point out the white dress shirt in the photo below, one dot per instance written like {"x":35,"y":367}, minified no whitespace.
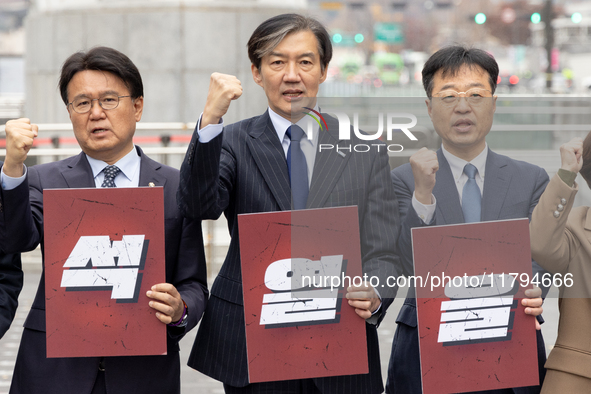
{"x":426,"y":212}
{"x":128,"y":177}
{"x":280,"y":124}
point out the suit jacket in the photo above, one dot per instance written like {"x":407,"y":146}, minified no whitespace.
{"x":11,"y":283}
{"x":244,"y":170}
{"x":561,"y":243}
{"x":185,"y":269}
{"x":511,"y":190}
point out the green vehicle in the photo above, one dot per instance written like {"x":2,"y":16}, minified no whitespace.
{"x":389,"y":65}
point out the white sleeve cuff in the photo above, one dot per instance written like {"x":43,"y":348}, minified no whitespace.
{"x":425,"y":212}
{"x":210,"y":131}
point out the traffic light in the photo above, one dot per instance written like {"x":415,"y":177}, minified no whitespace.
{"x":359,"y":38}
{"x":536,"y":17}
{"x":337,"y":38}
{"x":576,"y":17}
{"x":480,"y":18}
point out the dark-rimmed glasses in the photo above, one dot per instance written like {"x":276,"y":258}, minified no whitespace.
{"x":474,"y":96}
{"x":83,"y":104}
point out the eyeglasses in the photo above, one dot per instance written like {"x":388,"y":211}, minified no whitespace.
{"x":83,"y":104}
{"x":473,"y":96}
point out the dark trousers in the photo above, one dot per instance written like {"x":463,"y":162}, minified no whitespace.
{"x":404,"y":370}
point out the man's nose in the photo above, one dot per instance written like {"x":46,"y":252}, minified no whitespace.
{"x":292,"y":73}
{"x":96,"y":111}
{"x":462,"y":105}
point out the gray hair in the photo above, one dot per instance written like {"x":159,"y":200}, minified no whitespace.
{"x":271,"y":32}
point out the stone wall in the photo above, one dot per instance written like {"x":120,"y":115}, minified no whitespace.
{"x":176,"y":45}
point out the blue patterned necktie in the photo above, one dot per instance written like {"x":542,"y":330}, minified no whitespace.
{"x":110,"y":173}
{"x":298,"y":169}
{"x":471,"y":198}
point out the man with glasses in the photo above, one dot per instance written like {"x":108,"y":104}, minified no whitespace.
{"x":103,"y":93}
{"x":435,"y":187}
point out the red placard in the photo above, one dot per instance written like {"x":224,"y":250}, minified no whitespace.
{"x":104,"y":249}
{"x":295,"y":334}
{"x":474,"y":334}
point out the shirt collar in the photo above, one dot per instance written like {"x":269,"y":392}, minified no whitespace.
{"x":457,"y":165}
{"x":128,"y":164}
{"x":281,"y":124}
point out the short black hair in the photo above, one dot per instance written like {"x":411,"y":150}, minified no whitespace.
{"x":272,"y":31}
{"x":102,"y":59}
{"x":450,"y":59}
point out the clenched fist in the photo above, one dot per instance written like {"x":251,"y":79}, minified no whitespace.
{"x":424,"y":165}
{"x":20,"y":134}
{"x":571,"y":155}
{"x":223,"y":89}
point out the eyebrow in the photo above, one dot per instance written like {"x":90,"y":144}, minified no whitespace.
{"x":101,"y":95}
{"x":306,"y":54}
{"x":453,"y":86}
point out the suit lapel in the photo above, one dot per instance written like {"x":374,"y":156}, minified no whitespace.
{"x":496,"y":185}
{"x":78,"y":174}
{"x":446,"y":193}
{"x":269,"y":157}
{"x":149,"y":171}
{"x":328,"y":164}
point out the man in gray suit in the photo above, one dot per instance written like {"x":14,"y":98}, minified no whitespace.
{"x":460,"y":85}
{"x":243,"y":169}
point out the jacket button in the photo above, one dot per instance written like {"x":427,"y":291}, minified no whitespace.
{"x":563,"y":201}
{"x":560,"y":207}
{"x":556,"y":214}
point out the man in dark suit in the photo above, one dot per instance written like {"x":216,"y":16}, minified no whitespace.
{"x":460,"y":85}
{"x":244,"y":170}
{"x":103,"y":93}
{"x":11,"y":283}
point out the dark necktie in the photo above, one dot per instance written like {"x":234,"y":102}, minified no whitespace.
{"x":298,"y":169}
{"x":471,"y":198}
{"x":110,"y":173}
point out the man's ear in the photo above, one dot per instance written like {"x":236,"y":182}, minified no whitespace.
{"x":256,"y":75}
{"x":429,"y":109}
{"x":324,"y":74}
{"x":494,"y":104}
{"x":138,"y":107}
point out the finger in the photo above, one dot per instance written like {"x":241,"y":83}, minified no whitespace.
{"x":360,"y":295}
{"x":364,"y":292}
{"x":362,"y":313}
{"x":20,"y":120}
{"x":538,"y":325}
{"x":164,"y":312}
{"x":534,"y":311}
{"x":361,"y":304}
{"x":532,"y":302}
{"x":237,"y":92}
{"x":166,"y":288}
{"x":534,"y":292}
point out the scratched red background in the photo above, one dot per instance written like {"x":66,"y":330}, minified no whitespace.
{"x":90,"y":323}
{"x":301,"y":351}
{"x":476,"y":248}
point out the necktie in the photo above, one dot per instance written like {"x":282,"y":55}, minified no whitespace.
{"x":471,"y":198}
{"x":110,"y":173}
{"x":298,"y":169}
